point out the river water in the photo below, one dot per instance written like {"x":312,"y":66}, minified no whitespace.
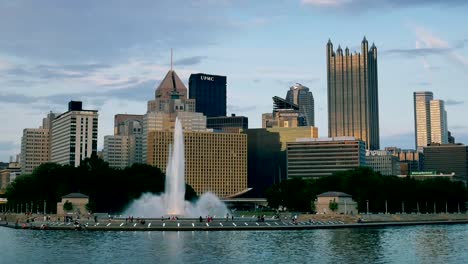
{"x":410,"y":244}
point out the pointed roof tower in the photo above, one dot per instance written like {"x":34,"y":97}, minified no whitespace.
{"x":364,"y":40}
{"x":171,"y":85}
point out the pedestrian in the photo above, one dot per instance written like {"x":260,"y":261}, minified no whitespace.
{"x":201,"y":219}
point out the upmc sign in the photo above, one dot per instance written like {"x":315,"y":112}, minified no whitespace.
{"x":207,"y":78}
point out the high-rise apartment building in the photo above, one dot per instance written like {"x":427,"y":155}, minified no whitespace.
{"x":209,"y":91}
{"x":353,"y":105}
{"x":302,"y":97}
{"x":313,"y":158}
{"x":35,"y":147}
{"x":430,"y":120}
{"x":214,"y":162}
{"x":74,"y":135}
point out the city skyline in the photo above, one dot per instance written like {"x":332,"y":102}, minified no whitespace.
{"x":52,"y":54}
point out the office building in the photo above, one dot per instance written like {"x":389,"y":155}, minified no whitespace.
{"x":447,"y":158}
{"x":74,"y":135}
{"x":170,"y":102}
{"x":430,"y":120}
{"x":267,"y":155}
{"x":302,"y":97}
{"x":422,"y":118}
{"x":439,"y":131}
{"x":285,"y":114}
{"x":313,"y":158}
{"x":209,"y":92}
{"x":117,"y":151}
{"x":383,"y":161}
{"x":353,"y":105}
{"x":451,"y":138}
{"x":410,"y":160}
{"x":122,"y":122}
{"x":228,"y":124}
{"x":9,"y":174}
{"x":214,"y":162}
{"x":125,"y":147}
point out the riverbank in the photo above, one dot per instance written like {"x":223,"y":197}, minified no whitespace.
{"x":304,"y":222}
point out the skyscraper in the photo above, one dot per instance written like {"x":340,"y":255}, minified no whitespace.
{"x":422,"y":118}
{"x":439,"y":131}
{"x":209,"y":91}
{"x":353,"y":104}
{"x":301,"y":96}
{"x":430,"y":120}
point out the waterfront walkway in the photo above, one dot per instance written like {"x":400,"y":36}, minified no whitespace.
{"x":239,"y":223}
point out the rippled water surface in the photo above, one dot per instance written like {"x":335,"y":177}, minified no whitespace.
{"x":412,"y":244}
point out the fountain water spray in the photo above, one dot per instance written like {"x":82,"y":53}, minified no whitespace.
{"x":172,"y":202}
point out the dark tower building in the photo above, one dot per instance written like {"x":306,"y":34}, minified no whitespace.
{"x":301,"y":96}
{"x":353,"y":104}
{"x":209,"y":91}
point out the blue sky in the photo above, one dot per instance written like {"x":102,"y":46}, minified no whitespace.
{"x":112,"y":55}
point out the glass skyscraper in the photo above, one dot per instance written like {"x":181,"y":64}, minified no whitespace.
{"x":209,"y":91}
{"x":301,"y":96}
{"x":353,"y":104}
{"x":430,"y":120}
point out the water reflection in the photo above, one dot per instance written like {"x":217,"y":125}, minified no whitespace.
{"x":418,"y":244}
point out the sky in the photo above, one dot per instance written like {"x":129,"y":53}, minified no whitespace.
{"x":112,"y":55}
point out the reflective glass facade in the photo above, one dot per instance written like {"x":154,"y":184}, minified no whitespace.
{"x":353,"y":105}
{"x":209,"y":91}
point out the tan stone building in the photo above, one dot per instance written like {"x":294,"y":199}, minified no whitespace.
{"x":344,"y":203}
{"x":214,"y":162}
{"x":78,"y":201}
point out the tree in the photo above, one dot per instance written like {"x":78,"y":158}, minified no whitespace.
{"x":67,"y":206}
{"x":333,"y":205}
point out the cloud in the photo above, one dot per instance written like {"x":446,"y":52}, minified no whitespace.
{"x":453,"y":102}
{"x":429,"y":44}
{"x":92,"y":31}
{"x":137,"y":91}
{"x":375,"y":4}
{"x":190,"y":61}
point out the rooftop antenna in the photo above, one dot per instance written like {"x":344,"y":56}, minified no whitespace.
{"x":171,"y":59}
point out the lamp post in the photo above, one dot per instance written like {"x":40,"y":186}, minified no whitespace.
{"x":386,"y":209}
{"x":446,"y":207}
{"x":367,"y":206}
{"x":417,"y":207}
{"x":402,"y":207}
{"x":435,"y":211}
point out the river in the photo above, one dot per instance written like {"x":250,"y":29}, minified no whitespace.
{"x":409,"y":244}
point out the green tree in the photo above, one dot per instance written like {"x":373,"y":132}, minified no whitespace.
{"x":333,"y":205}
{"x":67,"y":206}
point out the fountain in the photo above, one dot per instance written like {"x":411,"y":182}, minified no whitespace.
{"x":172,"y":203}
